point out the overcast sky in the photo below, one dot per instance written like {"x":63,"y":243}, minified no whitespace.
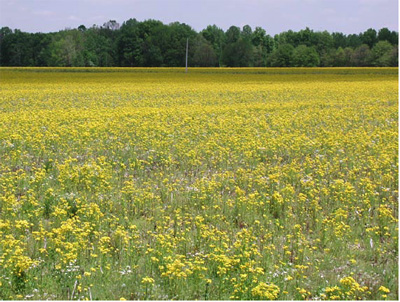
{"x":275,"y":16}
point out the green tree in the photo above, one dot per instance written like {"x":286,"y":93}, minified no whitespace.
{"x":339,"y":58}
{"x":238,"y":54}
{"x":258,"y":36}
{"x":305,"y":37}
{"x":339,"y":40}
{"x":40,"y":45}
{"x":394,"y":62}
{"x":129,"y":43}
{"x":348,"y":55}
{"x":152,"y":43}
{"x":327,"y":58}
{"x":216,"y":37}
{"x":369,"y":37}
{"x":322,"y":42}
{"x":304,"y":56}
{"x":354,"y":40}
{"x":385,"y":34}
{"x":263,"y":45}
{"x":247,"y":32}
{"x":82,"y":28}
{"x":383,"y":54}
{"x":17,"y":48}
{"x":175,"y":51}
{"x":238,"y":50}
{"x":281,"y":56}
{"x":111,"y":25}
{"x":232,"y":34}
{"x":288,"y":37}
{"x":151,"y":54}
{"x":361,"y":56}
{"x":66,"y":49}
{"x":204,"y":54}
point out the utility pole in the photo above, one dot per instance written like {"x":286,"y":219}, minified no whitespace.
{"x":187,"y":47}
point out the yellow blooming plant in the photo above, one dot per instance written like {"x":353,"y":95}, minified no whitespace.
{"x":222,"y":183}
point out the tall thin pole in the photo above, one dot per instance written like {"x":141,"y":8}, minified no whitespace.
{"x":187,"y":47}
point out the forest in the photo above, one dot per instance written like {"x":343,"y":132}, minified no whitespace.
{"x":152,"y":43}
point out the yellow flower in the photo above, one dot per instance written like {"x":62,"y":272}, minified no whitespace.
{"x":266,"y":291}
{"x":384,"y":289}
{"x":147,"y":280}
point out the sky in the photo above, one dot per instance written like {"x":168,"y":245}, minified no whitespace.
{"x":275,"y":16}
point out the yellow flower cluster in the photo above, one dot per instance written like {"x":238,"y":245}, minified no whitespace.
{"x":265,"y":291}
{"x":349,"y":289}
{"x":217,"y":184}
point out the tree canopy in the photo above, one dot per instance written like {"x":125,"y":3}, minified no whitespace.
{"x":151,"y":43}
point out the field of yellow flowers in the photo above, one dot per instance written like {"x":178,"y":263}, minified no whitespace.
{"x":215,"y":184}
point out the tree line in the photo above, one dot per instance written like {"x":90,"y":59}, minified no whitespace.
{"x":151,"y":44}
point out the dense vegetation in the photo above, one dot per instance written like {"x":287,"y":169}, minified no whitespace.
{"x":223,"y":183}
{"x":151,"y":43}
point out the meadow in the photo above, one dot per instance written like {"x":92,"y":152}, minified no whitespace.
{"x":256,"y":184}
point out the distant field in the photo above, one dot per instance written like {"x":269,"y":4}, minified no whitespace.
{"x":150,"y":183}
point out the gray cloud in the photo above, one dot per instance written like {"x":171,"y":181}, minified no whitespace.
{"x":348,"y":16}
